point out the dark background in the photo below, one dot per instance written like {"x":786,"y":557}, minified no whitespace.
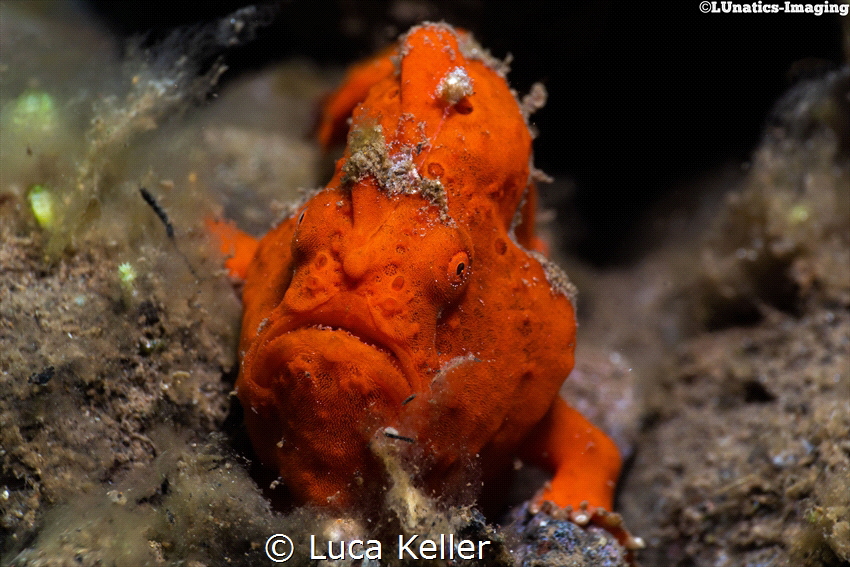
{"x":642,"y":99}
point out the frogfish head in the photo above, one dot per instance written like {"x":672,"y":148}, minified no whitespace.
{"x":353,"y":331}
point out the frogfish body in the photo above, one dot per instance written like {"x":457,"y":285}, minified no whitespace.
{"x":405,"y":297}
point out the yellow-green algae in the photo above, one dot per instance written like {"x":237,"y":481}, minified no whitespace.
{"x":41,"y":203}
{"x":35,"y":110}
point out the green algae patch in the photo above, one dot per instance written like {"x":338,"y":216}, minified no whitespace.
{"x":41,"y":203}
{"x":34,"y":110}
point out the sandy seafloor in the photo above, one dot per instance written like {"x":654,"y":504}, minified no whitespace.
{"x":720,"y":360}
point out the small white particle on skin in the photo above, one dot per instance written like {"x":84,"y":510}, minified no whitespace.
{"x":455,"y":85}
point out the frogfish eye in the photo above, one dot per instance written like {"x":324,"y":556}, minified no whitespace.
{"x":458,"y":268}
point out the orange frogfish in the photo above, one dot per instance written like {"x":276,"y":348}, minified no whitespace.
{"x":404,"y":300}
